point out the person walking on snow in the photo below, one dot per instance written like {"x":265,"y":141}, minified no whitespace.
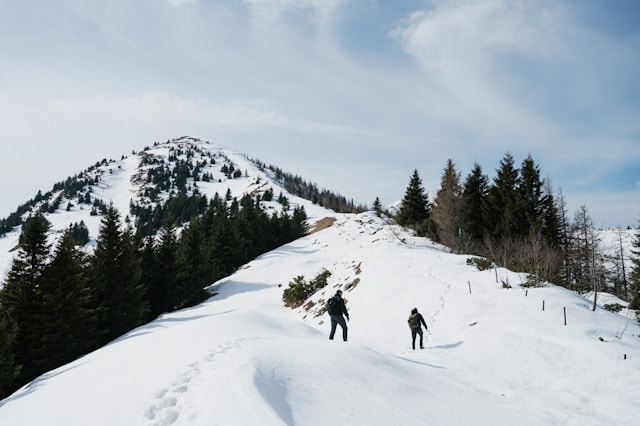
{"x":336,"y":309}
{"x":415,"y":319}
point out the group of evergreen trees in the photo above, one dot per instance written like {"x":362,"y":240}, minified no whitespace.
{"x":297,"y":186}
{"x":59,"y":304}
{"x":516,"y":221}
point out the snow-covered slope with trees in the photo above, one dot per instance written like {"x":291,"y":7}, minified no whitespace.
{"x":496,"y":353}
{"x":493,"y":355}
{"x":148,"y":178}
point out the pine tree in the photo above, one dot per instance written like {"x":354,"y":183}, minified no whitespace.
{"x":634,"y":276}
{"x":446,"y":211}
{"x":552,"y":218}
{"x":377,"y":206}
{"x":9,"y":370}
{"x":501,"y":212}
{"x":19,"y":297}
{"x":68,"y":318}
{"x":193,"y":265}
{"x":474,"y":197}
{"x":415,"y":209}
{"x":160,"y":269}
{"x":115,"y":267}
{"x":530,"y":202}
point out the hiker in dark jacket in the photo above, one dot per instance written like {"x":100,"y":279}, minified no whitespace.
{"x":336,"y":310}
{"x":415,"y":319}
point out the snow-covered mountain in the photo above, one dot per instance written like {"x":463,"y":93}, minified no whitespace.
{"x":133,"y":180}
{"x":493,"y":355}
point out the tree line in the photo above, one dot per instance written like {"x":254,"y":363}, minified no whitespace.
{"x":517,"y":221}
{"x":58,"y":303}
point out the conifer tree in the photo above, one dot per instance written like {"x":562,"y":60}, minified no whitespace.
{"x":225,"y":251}
{"x":501,"y":212}
{"x":68,"y":317}
{"x":446,"y":210}
{"x":250,"y":224}
{"x":377,"y":206}
{"x":415,"y":209}
{"x":193,"y":265}
{"x":19,"y":297}
{"x":474,"y":197}
{"x":552,"y":218}
{"x":115,"y":267}
{"x":634,"y":276}
{"x":9,"y":370}
{"x":161,"y":279}
{"x":530,"y":207}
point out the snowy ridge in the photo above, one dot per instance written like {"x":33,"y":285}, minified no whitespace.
{"x":493,"y":355}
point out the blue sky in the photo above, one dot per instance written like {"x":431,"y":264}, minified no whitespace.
{"x":350,"y":94}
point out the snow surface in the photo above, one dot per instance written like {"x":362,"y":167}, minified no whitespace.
{"x":493,"y":356}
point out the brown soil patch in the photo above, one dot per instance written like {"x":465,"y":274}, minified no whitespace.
{"x":323,"y":223}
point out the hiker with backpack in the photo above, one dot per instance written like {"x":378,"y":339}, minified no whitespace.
{"x":415,"y":321}
{"x":336,"y":308}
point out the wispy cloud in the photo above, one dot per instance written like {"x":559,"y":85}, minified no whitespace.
{"x":394,"y":85}
{"x":180,"y":2}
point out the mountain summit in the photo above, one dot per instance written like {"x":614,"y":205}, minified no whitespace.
{"x":162,"y":176}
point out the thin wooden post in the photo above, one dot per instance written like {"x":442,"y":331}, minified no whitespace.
{"x":526,"y":292}
{"x":543,"y":304}
{"x":469,"y":282}
{"x":565,"y":315}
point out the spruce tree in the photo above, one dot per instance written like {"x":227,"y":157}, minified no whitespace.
{"x":552,"y":218}
{"x":501,"y":210}
{"x":9,"y":370}
{"x":193,"y":265}
{"x":634,"y":276}
{"x":446,"y":210}
{"x":474,"y":198}
{"x":377,"y":206}
{"x":414,"y":210}
{"x":68,"y":318}
{"x":115,"y":267}
{"x":161,"y":270}
{"x":530,"y":205}
{"x":19,"y":297}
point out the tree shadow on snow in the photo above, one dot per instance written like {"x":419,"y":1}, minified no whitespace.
{"x":230,"y":288}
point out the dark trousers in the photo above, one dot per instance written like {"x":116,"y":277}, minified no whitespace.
{"x":414,"y":333}
{"x":335,"y":320}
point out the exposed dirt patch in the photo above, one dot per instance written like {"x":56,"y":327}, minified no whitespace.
{"x":322,"y":224}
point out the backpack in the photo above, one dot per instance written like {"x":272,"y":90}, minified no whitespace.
{"x":414,"y":321}
{"x":332,"y":306}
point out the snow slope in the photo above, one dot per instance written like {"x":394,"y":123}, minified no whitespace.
{"x":493,"y":356}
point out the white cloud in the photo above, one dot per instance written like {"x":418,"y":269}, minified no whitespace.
{"x":266,"y":12}
{"x":463,"y":46}
{"x":176,"y":3}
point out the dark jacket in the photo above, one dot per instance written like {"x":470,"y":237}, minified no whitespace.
{"x":342,"y":310}
{"x":420,"y":319}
